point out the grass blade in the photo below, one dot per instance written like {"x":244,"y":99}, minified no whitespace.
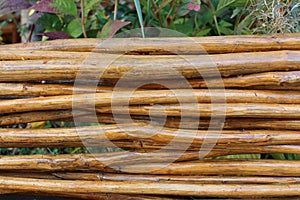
{"x":140,"y":16}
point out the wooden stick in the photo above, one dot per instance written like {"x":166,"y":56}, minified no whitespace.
{"x":23,"y":55}
{"x":214,"y":44}
{"x":248,"y":110}
{"x":171,"y":122}
{"x":175,"y":122}
{"x":24,"y":118}
{"x":144,"y":97}
{"x":166,"y":178}
{"x":267,"y":80}
{"x":81,"y":162}
{"x":218,"y":150}
{"x":28,"y":89}
{"x":97,"y":136}
{"x":229,"y":123}
{"x":90,"y":196}
{"x":101,"y":161}
{"x":264,"y":79}
{"x":279,"y":80}
{"x":231,"y":167}
{"x":156,"y":188}
{"x":126,"y":67}
{"x":273,"y":80}
{"x":96,"y":196}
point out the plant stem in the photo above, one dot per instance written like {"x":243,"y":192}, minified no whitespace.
{"x":115,"y":10}
{"x":217,"y":25}
{"x":82,"y":18}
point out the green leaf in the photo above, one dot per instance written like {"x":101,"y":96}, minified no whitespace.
{"x":67,"y":7}
{"x":74,"y":28}
{"x":240,"y":156}
{"x":224,"y":3}
{"x":183,"y":10}
{"x":223,"y":7}
{"x":163,"y":4}
{"x":225,"y":27}
{"x":187,"y":27}
{"x":51,"y":22}
{"x":278,"y":156}
{"x":236,"y":11}
{"x":240,"y":3}
{"x":140,"y":16}
{"x":203,"y":32}
{"x":207,"y":17}
{"x":224,"y":23}
{"x":90,"y":5}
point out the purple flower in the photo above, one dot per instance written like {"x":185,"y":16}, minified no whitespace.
{"x":194,"y":5}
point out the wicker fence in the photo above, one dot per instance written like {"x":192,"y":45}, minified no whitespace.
{"x":261,"y":77}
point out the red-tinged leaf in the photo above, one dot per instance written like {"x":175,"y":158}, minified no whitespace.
{"x":45,"y":6}
{"x":111,"y":27}
{"x":56,"y":35}
{"x":7,"y":6}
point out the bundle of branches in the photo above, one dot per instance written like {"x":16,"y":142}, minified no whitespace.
{"x":173,"y":110}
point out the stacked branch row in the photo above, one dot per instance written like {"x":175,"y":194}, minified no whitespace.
{"x":163,"y":100}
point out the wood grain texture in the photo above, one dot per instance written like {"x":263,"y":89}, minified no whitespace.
{"x":138,"y":67}
{"x":81,"y":162}
{"x":213,"y":44}
{"x":140,"y":187}
{"x":171,"y":152}
{"x":146,"y":97}
{"x":229,"y":110}
{"x":99,"y":136}
{"x":166,"y":178}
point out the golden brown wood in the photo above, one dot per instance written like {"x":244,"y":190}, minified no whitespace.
{"x":97,"y":136}
{"x":23,"y":118}
{"x":171,"y":122}
{"x":207,"y":110}
{"x":166,"y":178}
{"x":92,"y":65}
{"x":160,"y":188}
{"x":223,"y":44}
{"x":175,"y":122}
{"x":28,"y":89}
{"x":147,"y":97}
{"x":267,"y":80}
{"x":93,"y":196}
{"x":279,"y":80}
{"x":260,"y":73}
{"x":81,"y":162}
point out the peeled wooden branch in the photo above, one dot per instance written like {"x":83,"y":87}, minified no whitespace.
{"x":171,"y":122}
{"x":98,"y":136}
{"x":156,"y":178}
{"x":218,"y":150}
{"x":204,"y":167}
{"x":156,"y":188}
{"x":23,"y":118}
{"x":229,"y":123}
{"x":150,"y":97}
{"x":175,"y":122}
{"x":28,"y":89}
{"x":223,"y":44}
{"x":23,"y":55}
{"x":166,"y":178}
{"x":139,"y":67}
{"x":279,"y":80}
{"x":207,"y":110}
{"x":90,"y":196}
{"x":268,"y":80}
